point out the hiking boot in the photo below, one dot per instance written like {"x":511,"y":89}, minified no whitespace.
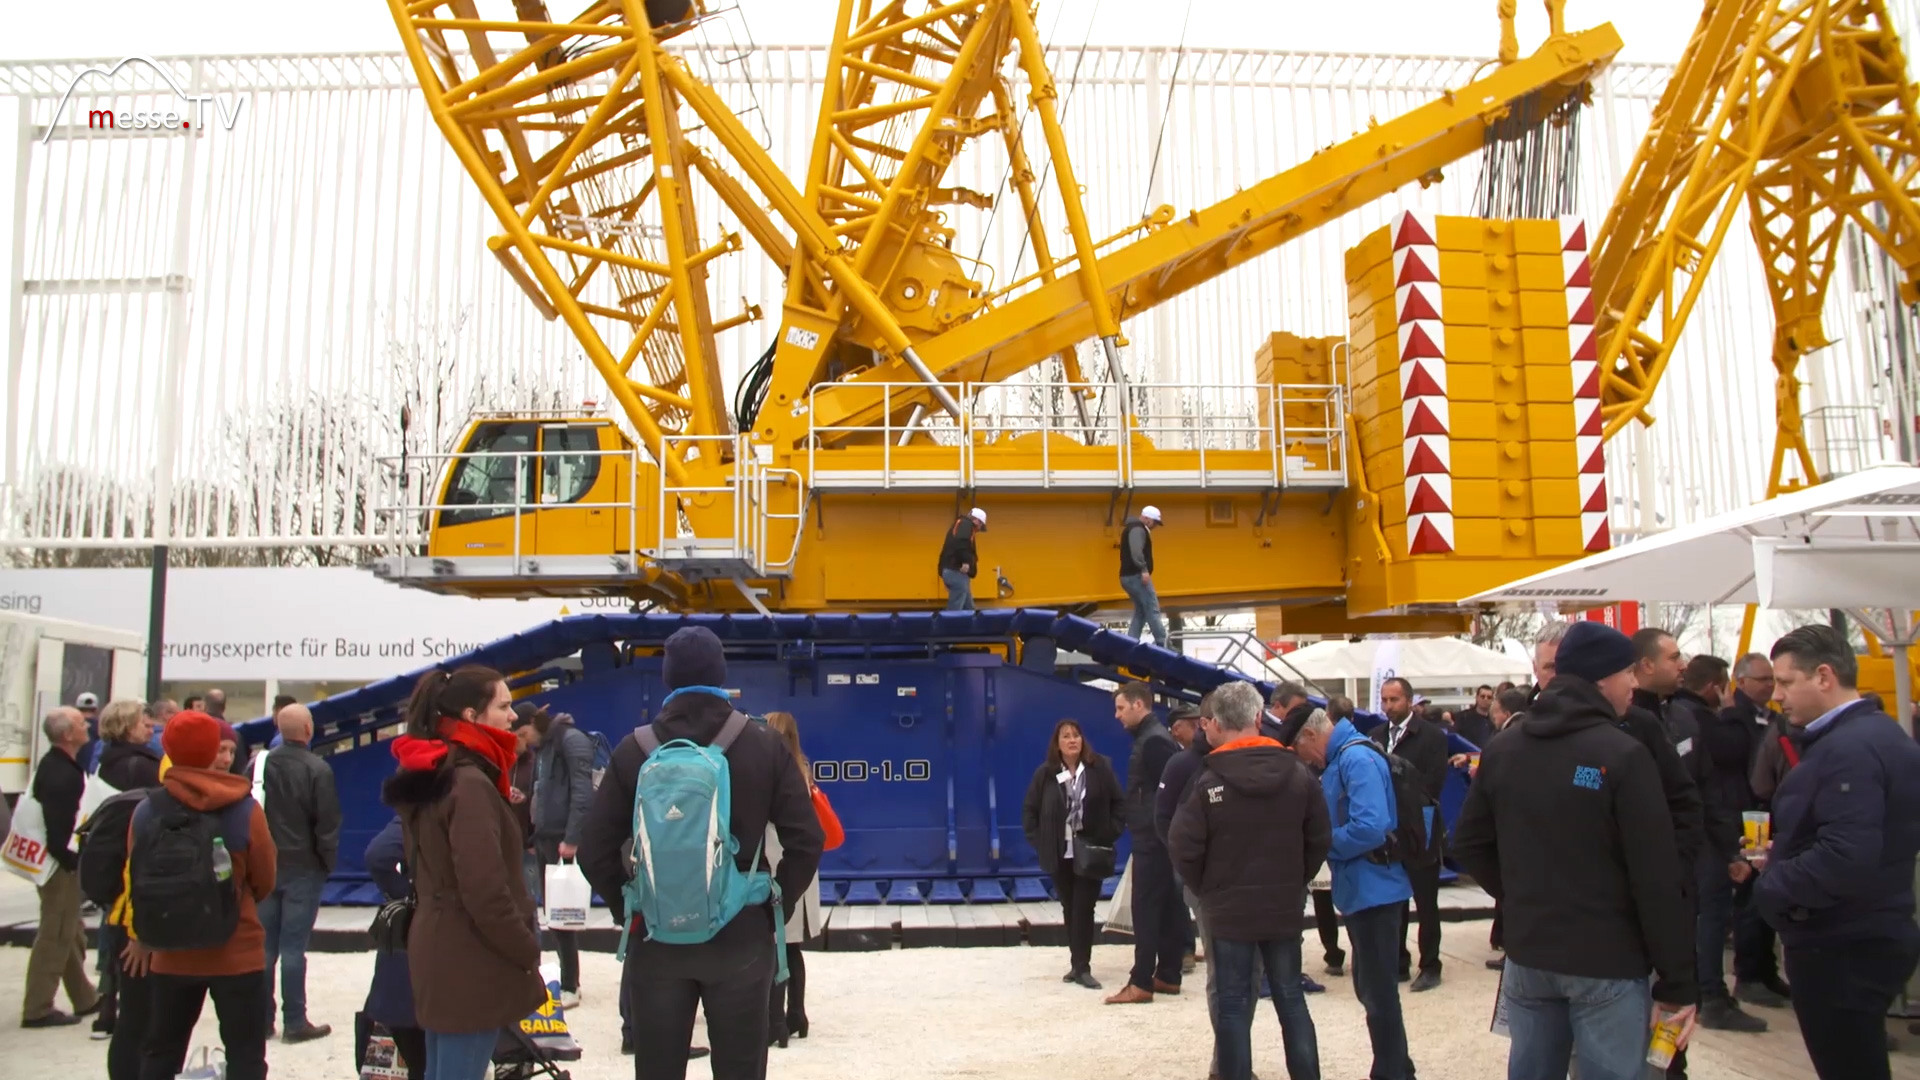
{"x":306,"y":1033}
{"x":1721,"y":1014}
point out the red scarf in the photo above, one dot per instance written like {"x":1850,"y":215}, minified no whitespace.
{"x":494,"y":746}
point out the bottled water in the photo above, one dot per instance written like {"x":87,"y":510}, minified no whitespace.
{"x":222,"y":862}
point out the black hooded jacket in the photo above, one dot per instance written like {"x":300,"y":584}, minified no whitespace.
{"x":1688,"y":718}
{"x":1567,"y":827}
{"x":1683,"y":796}
{"x":1253,"y":832}
{"x":767,"y":789}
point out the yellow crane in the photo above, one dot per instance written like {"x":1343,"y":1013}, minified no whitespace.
{"x":905,"y":384}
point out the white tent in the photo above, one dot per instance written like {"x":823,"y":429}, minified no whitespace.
{"x":1420,"y":658}
{"x":1851,"y":543}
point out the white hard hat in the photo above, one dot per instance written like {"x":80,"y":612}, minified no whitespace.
{"x":978,"y":515}
{"x":87,"y":700}
{"x":1150,"y":513}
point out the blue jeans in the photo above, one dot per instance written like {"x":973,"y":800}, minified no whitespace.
{"x":959,"y":590}
{"x":467,"y":1056}
{"x":1373,"y":936}
{"x":1552,"y":1017}
{"x":1146,"y":608}
{"x":1233,"y":1028}
{"x":287,"y":916}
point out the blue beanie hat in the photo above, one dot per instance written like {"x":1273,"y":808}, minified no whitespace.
{"x":1593,"y":651}
{"x":694,"y":657}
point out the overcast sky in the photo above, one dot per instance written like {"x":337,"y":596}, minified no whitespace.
{"x":1653,"y":29}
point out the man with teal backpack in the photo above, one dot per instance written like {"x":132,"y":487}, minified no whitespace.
{"x":674,"y":843}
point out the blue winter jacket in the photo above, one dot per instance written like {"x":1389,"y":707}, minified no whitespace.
{"x":1846,"y":827}
{"x":1359,"y":792}
{"x":390,"y":997}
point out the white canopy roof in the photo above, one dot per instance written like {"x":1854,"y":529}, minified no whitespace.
{"x":1851,"y":542}
{"x":1420,"y":658}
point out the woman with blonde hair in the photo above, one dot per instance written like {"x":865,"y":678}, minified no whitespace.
{"x":788,"y":1018}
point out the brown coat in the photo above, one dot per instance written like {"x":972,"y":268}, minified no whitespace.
{"x":474,"y":950}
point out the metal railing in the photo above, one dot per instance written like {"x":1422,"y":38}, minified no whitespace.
{"x":1300,"y":428}
{"x":747,"y":490}
{"x":1843,"y":438}
{"x":1244,"y":644}
{"x":402,"y":474}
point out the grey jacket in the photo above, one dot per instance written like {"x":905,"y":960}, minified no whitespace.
{"x":562,"y":783}
{"x":303,"y":809}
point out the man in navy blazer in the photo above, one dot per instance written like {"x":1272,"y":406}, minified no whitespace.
{"x":1838,"y":884}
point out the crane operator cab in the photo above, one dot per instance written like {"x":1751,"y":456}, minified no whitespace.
{"x":527,"y":496}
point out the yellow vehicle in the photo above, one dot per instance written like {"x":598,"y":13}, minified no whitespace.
{"x":904,"y":385}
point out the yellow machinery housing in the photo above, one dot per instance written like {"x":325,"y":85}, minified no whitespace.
{"x":902,"y":387}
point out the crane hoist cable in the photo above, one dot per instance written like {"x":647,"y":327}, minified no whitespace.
{"x":1020,"y":133}
{"x":1066,"y":101}
{"x":1166,"y":110}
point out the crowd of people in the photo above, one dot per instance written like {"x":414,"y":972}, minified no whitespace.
{"x":1629,"y":813}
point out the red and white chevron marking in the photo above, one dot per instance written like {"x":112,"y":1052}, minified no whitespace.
{"x":1587,"y":447}
{"x":1424,"y":416}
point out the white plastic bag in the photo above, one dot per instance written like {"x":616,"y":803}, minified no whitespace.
{"x":92,"y":797}
{"x":208,"y":1064}
{"x":25,"y":852}
{"x":567,"y":896}
{"x":1120,"y":910}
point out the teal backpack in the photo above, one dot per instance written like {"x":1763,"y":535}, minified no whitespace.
{"x":685,"y":881}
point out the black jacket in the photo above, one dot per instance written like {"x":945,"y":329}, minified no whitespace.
{"x":1567,"y":827}
{"x":958,"y":551}
{"x":1474,"y":726}
{"x":1136,"y":548}
{"x":129,"y":766}
{"x":1043,"y":815}
{"x":521,"y":777}
{"x":303,"y":810}
{"x":57,"y":785}
{"x":563,"y":783}
{"x":1683,"y":798}
{"x":1177,"y":781}
{"x":1846,"y":828}
{"x":1425,"y":746}
{"x":1688,"y":715}
{"x":767,"y":789}
{"x":1254,"y":832}
{"x":1733,"y":742}
{"x":1153,"y":748}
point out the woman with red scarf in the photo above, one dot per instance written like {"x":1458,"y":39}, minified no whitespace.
{"x":474,"y":949}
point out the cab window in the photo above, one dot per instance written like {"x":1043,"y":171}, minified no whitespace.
{"x":569,"y":465}
{"x":482,"y":487}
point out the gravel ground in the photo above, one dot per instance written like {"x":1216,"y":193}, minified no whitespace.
{"x":919,"y":1013}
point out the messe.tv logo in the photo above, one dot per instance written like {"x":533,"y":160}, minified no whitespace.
{"x":188,"y":113}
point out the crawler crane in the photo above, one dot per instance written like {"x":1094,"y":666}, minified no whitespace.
{"x":901,"y":386}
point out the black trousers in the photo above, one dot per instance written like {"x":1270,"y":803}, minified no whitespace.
{"x":1754,"y":959}
{"x":1841,"y":994}
{"x":135,"y":1016}
{"x":665,"y":989}
{"x":1426,"y":900}
{"x":1078,"y":895}
{"x":787,"y":1002}
{"x":1159,"y":919}
{"x":176,"y":1001}
{"x":1327,"y":921}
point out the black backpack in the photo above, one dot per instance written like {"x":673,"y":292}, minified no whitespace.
{"x":1409,"y":842}
{"x":179,"y":900}
{"x":103,"y":848}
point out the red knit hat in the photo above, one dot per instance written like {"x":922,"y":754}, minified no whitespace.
{"x":191,"y":739}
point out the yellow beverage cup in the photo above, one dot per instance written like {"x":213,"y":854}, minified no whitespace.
{"x":1473,"y":760}
{"x":1665,"y":1043}
{"x":1756,"y":828}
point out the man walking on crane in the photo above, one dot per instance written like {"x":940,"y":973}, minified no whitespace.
{"x":960,"y":560}
{"x":1136,"y":575}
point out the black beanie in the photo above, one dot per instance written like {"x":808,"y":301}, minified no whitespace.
{"x":694,"y":657}
{"x":1593,"y":651}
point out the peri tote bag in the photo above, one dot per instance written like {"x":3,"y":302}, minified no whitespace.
{"x":25,"y":852}
{"x":567,"y":896}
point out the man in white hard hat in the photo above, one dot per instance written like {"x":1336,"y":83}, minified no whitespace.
{"x":89,"y":706}
{"x":960,"y":560}
{"x":1136,"y":574}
